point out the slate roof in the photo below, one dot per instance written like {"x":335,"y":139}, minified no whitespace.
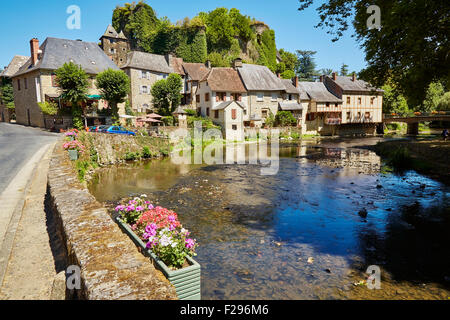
{"x":56,"y":52}
{"x":289,"y":86}
{"x":225,"y":104}
{"x":196,"y":71}
{"x":14,"y":66}
{"x":148,"y":61}
{"x":259,"y":78}
{"x":112,"y":33}
{"x":347,"y":84}
{"x":224,"y":79}
{"x":290,"y":106}
{"x":318,"y":92}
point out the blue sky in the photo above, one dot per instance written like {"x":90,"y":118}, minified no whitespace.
{"x":21,"y":21}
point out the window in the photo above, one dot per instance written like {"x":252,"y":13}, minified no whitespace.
{"x":18,"y":84}
{"x":372,"y":100}
{"x":206,"y":96}
{"x":54,"y":84}
{"x":336,"y":105}
{"x":216,"y":114}
{"x":144,"y":90}
{"x":112,"y":50}
{"x":264,"y":114}
{"x":221,"y":96}
{"x":359,"y":100}
{"x":234,"y":127}
{"x":207,"y":112}
{"x":233,"y":114}
{"x":349,"y":115}
{"x":25,"y":81}
{"x":237,"y":97}
{"x":274,"y":96}
{"x":359,"y":115}
{"x":145,"y":107}
{"x":348,"y":100}
{"x":367,"y":115}
{"x":260,"y":97}
{"x":328,"y":104}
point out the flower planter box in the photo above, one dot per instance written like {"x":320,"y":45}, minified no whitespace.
{"x":187,"y":281}
{"x":73,"y":155}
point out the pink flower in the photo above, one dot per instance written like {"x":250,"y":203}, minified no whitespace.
{"x":190,"y":243}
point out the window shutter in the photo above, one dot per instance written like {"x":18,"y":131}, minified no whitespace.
{"x":217,"y":97}
{"x":233,"y":114}
{"x":240,"y":97}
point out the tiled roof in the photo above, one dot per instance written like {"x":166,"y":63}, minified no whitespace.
{"x":196,"y":71}
{"x":147,"y":61}
{"x":225,"y":104}
{"x":112,"y":33}
{"x":318,"y":92}
{"x":14,"y":66}
{"x":177,"y":66}
{"x":56,"y":52}
{"x":289,"y":87}
{"x":347,"y":84}
{"x":224,"y":79}
{"x":290,"y":106}
{"x":259,"y":78}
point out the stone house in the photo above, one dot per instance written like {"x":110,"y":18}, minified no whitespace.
{"x":115,"y":45}
{"x":35,"y":81}
{"x":5,"y":76}
{"x":295,"y":101}
{"x":324,"y":110}
{"x":361,"y":103}
{"x":264,"y":93}
{"x":222,"y":97}
{"x":144,"y":69}
{"x":194,"y":74}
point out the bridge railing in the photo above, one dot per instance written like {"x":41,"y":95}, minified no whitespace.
{"x":415,"y":114}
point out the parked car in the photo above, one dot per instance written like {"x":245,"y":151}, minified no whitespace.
{"x":102,"y":128}
{"x":93,"y":129}
{"x":119,"y":130}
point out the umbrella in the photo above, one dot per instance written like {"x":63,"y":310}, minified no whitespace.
{"x":154,"y":115}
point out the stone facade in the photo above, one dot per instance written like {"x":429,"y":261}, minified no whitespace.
{"x":259,"y":106}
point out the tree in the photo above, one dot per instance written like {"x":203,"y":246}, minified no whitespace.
{"x":114,"y":86}
{"x":7,"y":94}
{"x":48,"y":108}
{"x":73,"y":83}
{"x":344,"y":70}
{"x":167,"y":94}
{"x":393,"y":101}
{"x":285,"y":119}
{"x":241,"y":25}
{"x":306,"y":68}
{"x":412,"y":45}
{"x":326,"y":71}
{"x":289,"y":59}
{"x":219,"y":30}
{"x":435,"y":93}
{"x":288,"y":74}
{"x":444,"y":102}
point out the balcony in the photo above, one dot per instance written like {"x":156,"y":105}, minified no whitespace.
{"x":333,"y":121}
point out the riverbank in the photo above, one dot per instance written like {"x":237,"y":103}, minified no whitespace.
{"x":105,"y":150}
{"x":426,"y":155}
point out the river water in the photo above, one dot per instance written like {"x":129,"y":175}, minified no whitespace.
{"x":303,"y":233}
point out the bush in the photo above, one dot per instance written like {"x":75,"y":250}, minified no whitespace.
{"x":131,"y":156}
{"x":146,"y":153}
{"x":285,"y":119}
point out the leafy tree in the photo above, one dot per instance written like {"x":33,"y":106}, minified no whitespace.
{"x":7,"y":94}
{"x":114,"y":86}
{"x":73,"y":82}
{"x":289,"y":59}
{"x":48,"y":108}
{"x":285,"y":119}
{"x":306,"y":68}
{"x":393,"y":101}
{"x":241,"y":25}
{"x":444,"y":102}
{"x":217,"y":60}
{"x":288,"y":74}
{"x":412,"y":45}
{"x":344,"y":70}
{"x":166,"y":94}
{"x":219,"y":30}
{"x":435,"y":93}
{"x":270,"y":120}
{"x":326,"y":71}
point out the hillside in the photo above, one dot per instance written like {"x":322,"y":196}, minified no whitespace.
{"x":220,"y":36}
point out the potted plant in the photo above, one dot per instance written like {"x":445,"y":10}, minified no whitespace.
{"x":72,"y":134}
{"x":161,"y":237}
{"x":74,"y":147}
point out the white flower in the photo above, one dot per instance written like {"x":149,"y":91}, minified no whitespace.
{"x":165,"y":241}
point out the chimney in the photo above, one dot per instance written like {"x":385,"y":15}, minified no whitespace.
{"x":334,"y":76}
{"x":354,"y":77}
{"x":237,"y":63}
{"x":34,"y":45}
{"x":169,"y":59}
{"x":296,"y":81}
{"x":208,"y":64}
{"x":321,"y":78}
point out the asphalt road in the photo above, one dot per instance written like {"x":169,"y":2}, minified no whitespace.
{"x":17,"y":146}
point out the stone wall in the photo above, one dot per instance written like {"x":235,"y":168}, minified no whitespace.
{"x":111,"y":266}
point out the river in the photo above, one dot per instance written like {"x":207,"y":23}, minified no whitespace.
{"x":308,"y":232}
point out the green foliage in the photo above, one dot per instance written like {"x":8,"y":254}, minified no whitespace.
{"x":191,"y":112}
{"x":267,"y":49}
{"x":306,"y":67}
{"x":114,"y":86}
{"x":166,"y":94}
{"x":169,"y":121}
{"x":434,"y":95}
{"x":192,"y":44}
{"x":344,"y":70}
{"x":270,"y":120}
{"x":288,"y":74}
{"x":217,"y":60}
{"x":129,"y":112}
{"x":206,"y":122}
{"x":289,"y":59}
{"x":393,"y":101}
{"x":48,"y":108}
{"x":131,"y":156}
{"x":444,"y":102}
{"x":73,"y":82}
{"x":412,"y":47}
{"x":7,"y":94}
{"x":285,"y":119}
{"x":146,"y":153}
{"x":219,"y":29}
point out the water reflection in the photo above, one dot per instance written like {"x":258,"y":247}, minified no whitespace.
{"x":257,"y":232}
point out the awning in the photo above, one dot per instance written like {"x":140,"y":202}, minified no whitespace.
{"x":94,"y":97}
{"x":290,"y":106}
{"x":52,"y":95}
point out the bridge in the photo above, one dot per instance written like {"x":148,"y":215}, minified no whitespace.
{"x":414,"y":119}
